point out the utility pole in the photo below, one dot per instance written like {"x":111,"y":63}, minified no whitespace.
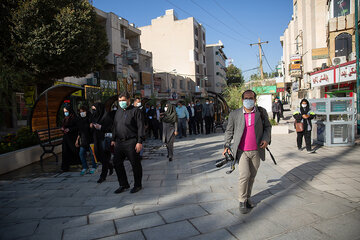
{"x":260,"y":56}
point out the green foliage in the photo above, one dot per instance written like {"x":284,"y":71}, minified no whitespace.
{"x":273,"y":122}
{"x":234,"y":75}
{"x":22,"y":139}
{"x":233,"y":94}
{"x":59,"y":38}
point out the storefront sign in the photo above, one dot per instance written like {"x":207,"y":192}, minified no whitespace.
{"x":280,"y":89}
{"x":331,"y":75}
{"x":320,"y":53}
{"x":265,"y":89}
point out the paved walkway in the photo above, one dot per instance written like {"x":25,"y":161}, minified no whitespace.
{"x":306,"y":196}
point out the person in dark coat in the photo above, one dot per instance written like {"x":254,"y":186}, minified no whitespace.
{"x":153,"y":123}
{"x":84,"y":140}
{"x":127,"y":137}
{"x":276,"y":109}
{"x":304,"y":115}
{"x":208,"y":114}
{"x":191,"y":110}
{"x":101,"y":125}
{"x":198,"y":117}
{"x":70,"y":154}
{"x":170,"y":121}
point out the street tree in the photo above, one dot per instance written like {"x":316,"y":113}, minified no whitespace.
{"x":234,"y":75}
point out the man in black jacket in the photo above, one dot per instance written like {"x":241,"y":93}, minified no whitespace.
{"x":127,"y":138}
{"x":198,"y":117}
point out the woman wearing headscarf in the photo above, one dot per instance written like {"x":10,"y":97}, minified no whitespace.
{"x":304,"y":115}
{"x":169,"y":119}
{"x":84,"y":140}
{"x":101,"y":125}
{"x":70,"y":155}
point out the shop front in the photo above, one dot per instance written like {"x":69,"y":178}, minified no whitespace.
{"x":337,"y":81}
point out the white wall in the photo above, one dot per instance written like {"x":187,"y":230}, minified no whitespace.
{"x":265,"y":101}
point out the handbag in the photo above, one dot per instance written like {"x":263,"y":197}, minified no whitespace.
{"x":299,"y":126}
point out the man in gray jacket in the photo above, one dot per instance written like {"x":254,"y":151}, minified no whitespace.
{"x":250,"y":129}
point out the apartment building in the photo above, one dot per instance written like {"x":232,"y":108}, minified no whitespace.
{"x":216,"y":66}
{"x":129,"y":67}
{"x":178,"y":46}
{"x":304,"y":45}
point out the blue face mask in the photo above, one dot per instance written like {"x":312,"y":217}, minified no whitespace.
{"x":123,"y":104}
{"x":66,"y":114}
{"x":248,"y":103}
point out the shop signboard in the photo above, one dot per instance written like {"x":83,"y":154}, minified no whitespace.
{"x":265,"y":89}
{"x":331,"y":75}
{"x":320,"y":53}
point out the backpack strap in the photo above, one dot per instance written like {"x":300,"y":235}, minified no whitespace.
{"x":262,"y":115}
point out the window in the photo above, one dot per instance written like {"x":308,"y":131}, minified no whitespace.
{"x":182,"y":84}
{"x":196,"y":43}
{"x":204,"y":58}
{"x":197,"y":69}
{"x":204,"y":48}
{"x":173,"y":83}
{"x":343,"y":45}
{"x":204,"y":37}
{"x":295,"y":11}
{"x":196,"y":31}
{"x":205,"y":71}
{"x":340,"y":8}
{"x":217,"y":63}
{"x":217,"y":53}
{"x":189,"y":85}
{"x":196,"y":56}
{"x":197,"y":81}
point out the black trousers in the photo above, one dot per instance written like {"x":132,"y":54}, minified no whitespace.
{"x":103,"y":156}
{"x":277,"y":114}
{"x":207,"y":124}
{"x":70,"y":154}
{"x":199,"y":125}
{"x":192,"y":128}
{"x":126,"y":149}
{"x":212,"y":120}
{"x":307,"y":136}
{"x":155,"y":128}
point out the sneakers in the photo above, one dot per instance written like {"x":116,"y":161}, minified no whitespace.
{"x":83,"y":172}
{"x":92,"y":170}
{"x":243,"y":208}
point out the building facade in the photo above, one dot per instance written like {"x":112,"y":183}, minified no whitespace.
{"x":216,"y":67}
{"x":129,"y":67}
{"x":319,"y":49}
{"x":302,"y":40}
{"x":177,"y":46}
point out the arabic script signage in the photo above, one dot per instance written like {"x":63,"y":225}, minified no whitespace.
{"x":331,"y":75}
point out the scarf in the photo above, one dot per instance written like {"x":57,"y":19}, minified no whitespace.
{"x":96,"y":117}
{"x":170,"y":115}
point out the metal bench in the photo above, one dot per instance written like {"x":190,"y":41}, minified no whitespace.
{"x":49,"y":139}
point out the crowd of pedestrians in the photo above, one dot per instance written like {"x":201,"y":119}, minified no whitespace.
{"x":112,"y":136}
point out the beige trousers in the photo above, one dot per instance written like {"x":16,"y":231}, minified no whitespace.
{"x":248,"y":165}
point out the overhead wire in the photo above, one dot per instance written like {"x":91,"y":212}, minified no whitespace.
{"x":227,"y":12}
{"x":213,"y":16}
{"x":266,"y":59}
{"x":207,"y":25}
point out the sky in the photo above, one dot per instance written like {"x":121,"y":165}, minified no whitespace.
{"x":237,"y":23}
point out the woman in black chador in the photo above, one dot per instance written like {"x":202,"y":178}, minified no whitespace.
{"x":101,"y":125}
{"x":169,"y":119}
{"x":70,"y":154}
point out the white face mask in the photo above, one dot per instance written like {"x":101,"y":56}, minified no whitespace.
{"x":165,"y":108}
{"x":304,"y":105}
{"x":193,"y":105}
{"x":83,"y":114}
{"x":207,"y":102}
{"x":138,"y":104}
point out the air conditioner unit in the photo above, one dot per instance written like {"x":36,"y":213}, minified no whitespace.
{"x":352,"y":56}
{"x":338,"y":60}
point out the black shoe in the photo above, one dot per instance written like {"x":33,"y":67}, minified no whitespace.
{"x":170,"y":159}
{"x":121,"y":189}
{"x":135,"y":189}
{"x":243,"y":208}
{"x":111,"y":171}
{"x":101,"y":180}
{"x":249,"y":204}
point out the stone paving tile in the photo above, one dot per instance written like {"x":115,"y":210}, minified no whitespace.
{"x":18,"y":230}
{"x":138,"y":222}
{"x":327,"y":209}
{"x":171,"y":231}
{"x":137,"y":235}
{"x":182,"y":213}
{"x":220,"y":206}
{"x":69,"y":212}
{"x":216,"y":235}
{"x":114,"y":214}
{"x":177,"y":199}
{"x":264,"y":229}
{"x":214,"y":221}
{"x":302,"y":233}
{"x":92,"y":231}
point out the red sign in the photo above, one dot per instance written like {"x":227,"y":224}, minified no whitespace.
{"x":280,"y":90}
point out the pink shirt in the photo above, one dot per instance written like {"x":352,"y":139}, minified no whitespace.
{"x":248,"y":139}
